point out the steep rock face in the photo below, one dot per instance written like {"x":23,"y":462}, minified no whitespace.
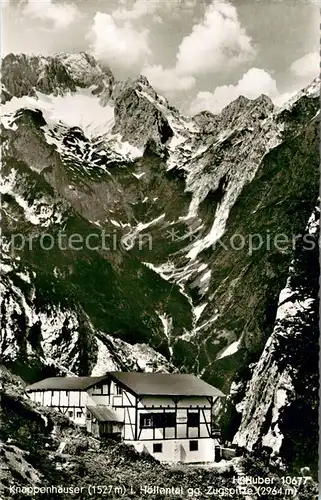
{"x":139,"y":121}
{"x":140,"y":114}
{"x":279,"y":410}
{"x":44,"y":316}
{"x":247,"y":313}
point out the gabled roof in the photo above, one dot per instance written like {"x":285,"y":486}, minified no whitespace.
{"x":140,"y":384}
{"x":165,"y":384}
{"x":104,"y":413}
{"x":65,"y":383}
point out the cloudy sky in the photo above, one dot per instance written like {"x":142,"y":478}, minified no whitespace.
{"x":201,"y":54}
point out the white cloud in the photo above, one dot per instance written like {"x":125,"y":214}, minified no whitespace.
{"x":153,"y":9}
{"x":252,"y":84}
{"x":167,"y":80}
{"x":139,"y":9}
{"x":218,"y":41}
{"x":122,"y":47}
{"x":158,"y":19}
{"x":283,"y":98}
{"x":307,"y":66}
{"x":60,"y":15}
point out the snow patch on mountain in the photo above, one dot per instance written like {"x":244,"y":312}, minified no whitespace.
{"x":74,"y":109}
{"x":127,"y":151}
{"x":206,"y":323}
{"x":128,"y":240}
{"x":198,"y":273}
{"x":231,"y":349}
{"x":197,"y":311}
{"x":167,"y":322}
{"x":97,"y":153}
{"x":39,"y":211}
{"x":139,"y":175}
{"x":24,"y":276}
{"x":269,"y":135}
{"x":8,"y":121}
{"x":179,"y":275}
{"x":81,"y":110}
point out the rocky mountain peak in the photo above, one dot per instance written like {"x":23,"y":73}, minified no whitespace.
{"x":139,"y":85}
{"x":206,"y":121}
{"x":310,"y":91}
{"x":84,"y":69}
{"x":264,"y":100}
{"x":24,"y":75}
{"x":244,"y":109}
{"x":138,"y":118}
{"x":139,"y":113}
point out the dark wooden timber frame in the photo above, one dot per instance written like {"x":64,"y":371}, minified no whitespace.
{"x":136,"y":431}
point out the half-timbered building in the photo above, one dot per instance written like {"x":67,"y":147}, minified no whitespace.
{"x":104,"y":422}
{"x":168,"y":415}
{"x":70,"y":395}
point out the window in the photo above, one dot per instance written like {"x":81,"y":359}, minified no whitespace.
{"x":146,"y":420}
{"x":193,"y":419}
{"x":158,"y":420}
{"x":67,"y":394}
{"x":170,"y":419}
{"x":70,"y":413}
{"x":105,"y":388}
{"x":97,"y":390}
{"x":157,"y":448}
{"x":193,"y":446}
{"x":119,"y":390}
{"x":79,"y":414}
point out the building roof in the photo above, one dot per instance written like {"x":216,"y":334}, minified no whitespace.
{"x":104,"y":413}
{"x":65,"y":384}
{"x":165,"y":384}
{"x":141,"y":384}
